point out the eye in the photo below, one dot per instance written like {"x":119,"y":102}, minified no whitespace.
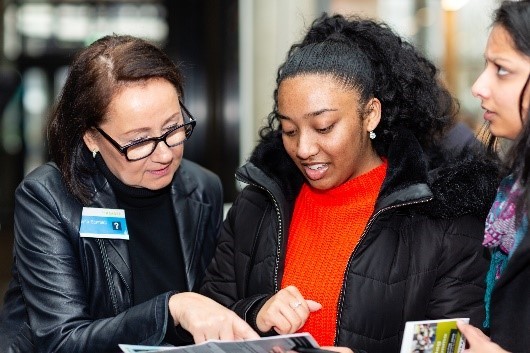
{"x":501,"y":71}
{"x":137,"y":140}
{"x":287,"y":128}
{"x":171,"y":127}
{"x":326,"y":129}
{"x":289,"y":133}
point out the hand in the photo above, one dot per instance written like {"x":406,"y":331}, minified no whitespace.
{"x":337,"y":349}
{"x":286,"y":311}
{"x":477,"y":340}
{"x":206,"y":319}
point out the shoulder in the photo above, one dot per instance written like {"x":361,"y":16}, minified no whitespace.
{"x":463,"y":184}
{"x":417,"y":223}
{"x":255,"y":195}
{"x":251,"y":208}
{"x":45,"y":179}
{"x":193,"y":170}
{"x":44,"y":186}
{"x":46,"y":172}
{"x":193,"y":179}
{"x":468,"y":227}
{"x":444,"y":240}
{"x":42,"y":198}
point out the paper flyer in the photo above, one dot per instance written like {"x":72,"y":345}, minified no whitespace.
{"x":433,"y":336}
{"x":281,"y":343}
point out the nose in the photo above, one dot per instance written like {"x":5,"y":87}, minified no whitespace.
{"x":162,"y":153}
{"x":307,"y":146}
{"x":480,"y":88}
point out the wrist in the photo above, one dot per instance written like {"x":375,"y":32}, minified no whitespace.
{"x":253,"y":317}
{"x":174,"y":303}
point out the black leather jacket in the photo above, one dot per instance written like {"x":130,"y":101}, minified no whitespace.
{"x":72,"y":294}
{"x":420,"y":256}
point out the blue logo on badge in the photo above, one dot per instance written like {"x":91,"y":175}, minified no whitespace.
{"x":116,"y":225}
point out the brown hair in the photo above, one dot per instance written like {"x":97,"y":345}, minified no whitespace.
{"x":96,"y":74}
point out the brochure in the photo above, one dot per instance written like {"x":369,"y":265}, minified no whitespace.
{"x":433,"y":336}
{"x":281,"y":343}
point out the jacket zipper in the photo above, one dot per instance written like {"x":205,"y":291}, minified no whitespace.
{"x":363,"y":235}
{"x":108,"y":276}
{"x":280,"y":233}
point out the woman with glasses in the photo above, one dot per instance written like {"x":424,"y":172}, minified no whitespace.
{"x":113,"y":236}
{"x":504,"y":90}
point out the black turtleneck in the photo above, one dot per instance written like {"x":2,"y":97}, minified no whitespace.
{"x":154,"y":246}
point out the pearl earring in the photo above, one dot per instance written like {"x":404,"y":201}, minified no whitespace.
{"x":94,"y":153}
{"x":372,"y":135}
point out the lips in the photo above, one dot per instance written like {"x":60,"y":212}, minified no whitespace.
{"x":315,"y":171}
{"x":488,"y":114}
{"x":160,"y":172}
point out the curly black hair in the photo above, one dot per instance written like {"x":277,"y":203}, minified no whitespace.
{"x":369,"y":57}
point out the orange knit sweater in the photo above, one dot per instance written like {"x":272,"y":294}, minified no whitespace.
{"x":325,"y":229}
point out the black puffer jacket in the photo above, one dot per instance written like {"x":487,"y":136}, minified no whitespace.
{"x":420,"y":256}
{"x":74,"y":294}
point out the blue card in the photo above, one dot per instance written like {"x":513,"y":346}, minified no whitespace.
{"x":103,"y":223}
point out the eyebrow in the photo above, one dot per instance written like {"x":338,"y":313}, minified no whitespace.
{"x":311,"y":114}
{"x":498,"y":56}
{"x":146,"y":129}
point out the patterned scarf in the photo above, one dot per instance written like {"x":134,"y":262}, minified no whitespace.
{"x":503,"y":233}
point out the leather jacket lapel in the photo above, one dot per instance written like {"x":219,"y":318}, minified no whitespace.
{"x":115,"y":251}
{"x":188,"y":215}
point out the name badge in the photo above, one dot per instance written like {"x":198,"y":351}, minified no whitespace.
{"x":105,"y":223}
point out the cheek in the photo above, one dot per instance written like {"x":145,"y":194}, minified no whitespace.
{"x":347,"y":140}
{"x":127,"y":172}
{"x":131,"y":173}
{"x":117,"y":165}
{"x":289,"y":144}
{"x":178,"y":152}
{"x":502,"y":101}
{"x":516,"y":127}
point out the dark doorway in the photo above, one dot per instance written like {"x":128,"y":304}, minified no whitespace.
{"x":204,"y":36}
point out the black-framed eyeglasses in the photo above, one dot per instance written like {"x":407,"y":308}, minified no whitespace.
{"x":144,"y":148}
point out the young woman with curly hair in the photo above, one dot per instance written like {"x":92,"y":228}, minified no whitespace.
{"x":355,"y":219}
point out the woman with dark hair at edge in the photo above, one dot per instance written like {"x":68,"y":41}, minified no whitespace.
{"x":114,"y":234}
{"x":355,"y":218}
{"x":504,"y":91}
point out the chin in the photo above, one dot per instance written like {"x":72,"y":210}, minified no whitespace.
{"x":161,"y":185}
{"x":158,"y":184}
{"x":320,"y":185}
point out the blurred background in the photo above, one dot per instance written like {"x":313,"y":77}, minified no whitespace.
{"x":229,"y":51}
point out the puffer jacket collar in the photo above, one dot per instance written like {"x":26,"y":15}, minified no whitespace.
{"x":456,"y":182}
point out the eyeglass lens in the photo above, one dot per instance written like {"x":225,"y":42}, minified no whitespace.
{"x":174,"y":138}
